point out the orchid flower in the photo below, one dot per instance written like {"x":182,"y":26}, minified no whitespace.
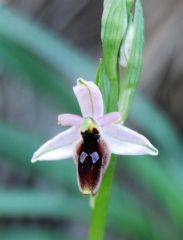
{"x":92,"y":138}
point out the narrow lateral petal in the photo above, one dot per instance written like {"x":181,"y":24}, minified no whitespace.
{"x":59,"y":147}
{"x":124,"y":141}
{"x":89,"y":98}
{"x":108,"y":118}
{"x":70,"y":120}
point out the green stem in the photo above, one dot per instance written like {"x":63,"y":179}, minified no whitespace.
{"x":99,"y":212}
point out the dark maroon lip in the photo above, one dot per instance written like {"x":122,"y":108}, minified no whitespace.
{"x":91,"y":160}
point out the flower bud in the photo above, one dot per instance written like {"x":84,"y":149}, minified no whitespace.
{"x":126,"y":46}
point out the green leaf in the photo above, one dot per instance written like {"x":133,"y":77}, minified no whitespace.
{"x":129,"y":215}
{"x":156,"y":124}
{"x":30,"y":233}
{"x":45,"y":45}
{"x":157,"y":181}
{"x":19,"y":146}
{"x":132,"y":72}
{"x":41,"y":75}
{"x":35,"y":203}
{"x":145,"y":114}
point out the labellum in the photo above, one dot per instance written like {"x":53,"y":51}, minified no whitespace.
{"x":92,"y":157}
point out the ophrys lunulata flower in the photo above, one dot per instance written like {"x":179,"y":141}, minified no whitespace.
{"x":92,"y":138}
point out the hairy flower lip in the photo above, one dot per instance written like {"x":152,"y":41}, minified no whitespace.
{"x":92,"y":157}
{"x":119,"y":139}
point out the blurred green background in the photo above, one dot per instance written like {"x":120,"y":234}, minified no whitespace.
{"x":44,"y":47}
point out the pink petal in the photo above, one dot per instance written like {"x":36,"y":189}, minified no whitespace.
{"x":108,"y":118}
{"x":89,"y":98}
{"x":59,"y":147}
{"x":124,"y":141}
{"x":70,"y":120}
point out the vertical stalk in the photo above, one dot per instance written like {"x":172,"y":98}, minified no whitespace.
{"x":99,"y":212}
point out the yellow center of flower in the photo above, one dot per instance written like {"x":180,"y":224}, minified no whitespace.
{"x":88,"y":125}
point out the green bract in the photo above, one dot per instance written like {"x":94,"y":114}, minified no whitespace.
{"x":114,"y":23}
{"x":103,"y":83}
{"x":132,"y":71}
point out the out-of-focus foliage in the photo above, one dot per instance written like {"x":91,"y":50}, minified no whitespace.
{"x":151,"y":209}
